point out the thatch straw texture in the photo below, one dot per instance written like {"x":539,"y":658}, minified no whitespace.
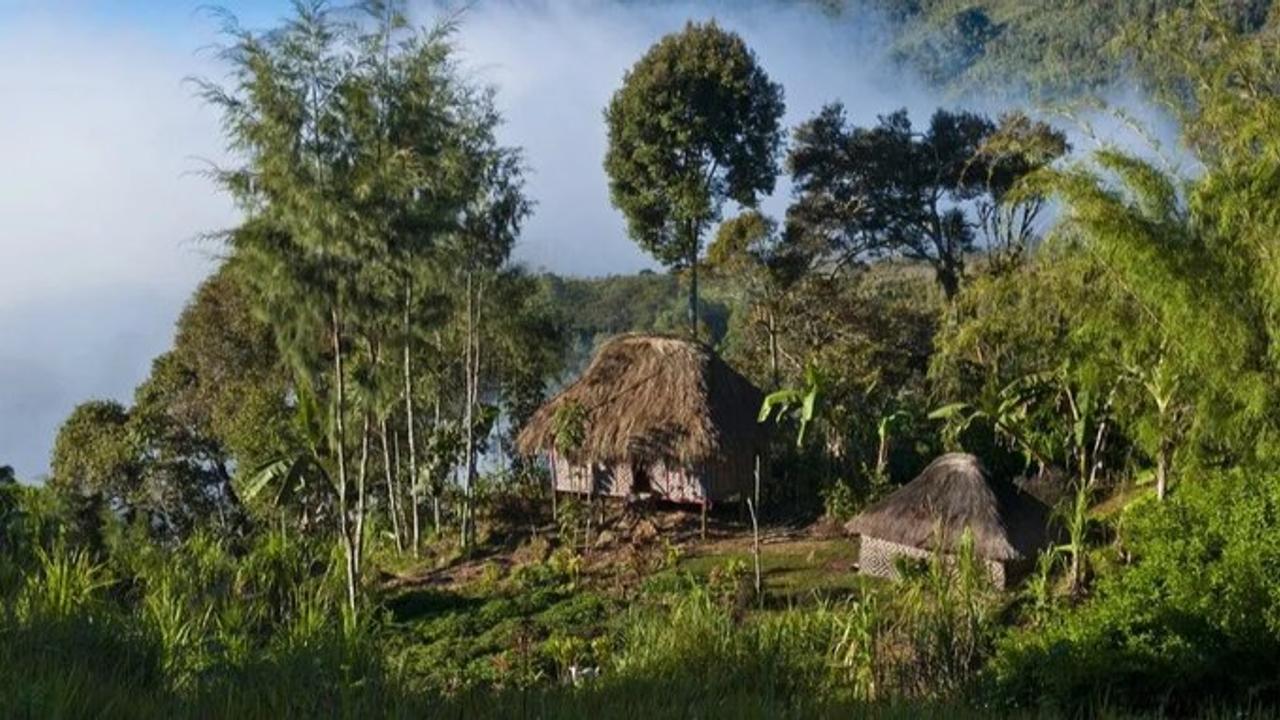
{"x":655,"y":399}
{"x":956,"y":492}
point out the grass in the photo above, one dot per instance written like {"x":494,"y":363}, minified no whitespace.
{"x":794,"y":572}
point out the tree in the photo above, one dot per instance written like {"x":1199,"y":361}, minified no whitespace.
{"x":1007,"y":212}
{"x":888,"y":189}
{"x":238,"y":387}
{"x":93,"y":453}
{"x":284,"y":114}
{"x":475,"y":253}
{"x":1171,"y":310}
{"x":695,"y":123}
{"x":749,"y":253}
{"x":355,"y":138}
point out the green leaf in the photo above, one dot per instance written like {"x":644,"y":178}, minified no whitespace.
{"x":949,"y":412}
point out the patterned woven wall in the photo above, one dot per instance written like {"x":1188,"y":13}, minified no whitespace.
{"x":878,"y":558}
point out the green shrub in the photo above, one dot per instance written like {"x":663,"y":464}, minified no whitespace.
{"x":1194,"y":620}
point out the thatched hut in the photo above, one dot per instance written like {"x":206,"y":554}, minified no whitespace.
{"x":660,"y":416}
{"x":930,"y":514}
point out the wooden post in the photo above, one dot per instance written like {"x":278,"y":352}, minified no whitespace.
{"x":591,"y":504}
{"x":755,"y":532}
{"x":555,"y":514}
{"x":704,"y":515}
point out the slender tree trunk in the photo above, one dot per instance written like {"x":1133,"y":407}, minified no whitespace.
{"x":693,"y":284}
{"x":408,"y":407}
{"x":1164,"y":453}
{"x":882,"y":455}
{"x":468,"y":415}
{"x":401,"y":466}
{"x":340,"y":442}
{"x":1162,"y":469}
{"x":773,"y":349}
{"x":390,"y":472}
{"x":472,"y":454}
{"x":435,"y":495}
{"x":361,"y":476}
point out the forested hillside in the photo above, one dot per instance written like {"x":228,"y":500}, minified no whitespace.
{"x":1044,"y":48}
{"x":594,"y":309}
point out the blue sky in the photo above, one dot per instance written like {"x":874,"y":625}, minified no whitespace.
{"x":101,"y":209}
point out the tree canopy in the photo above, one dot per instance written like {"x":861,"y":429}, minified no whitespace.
{"x":695,"y":123}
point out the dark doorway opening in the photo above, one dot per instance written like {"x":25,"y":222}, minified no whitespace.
{"x":640,"y":480}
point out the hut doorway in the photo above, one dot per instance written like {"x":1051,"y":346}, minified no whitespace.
{"x":640,"y":480}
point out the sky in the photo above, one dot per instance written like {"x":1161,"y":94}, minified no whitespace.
{"x":103,"y":208}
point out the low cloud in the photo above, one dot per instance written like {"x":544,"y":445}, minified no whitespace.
{"x":98,"y":218}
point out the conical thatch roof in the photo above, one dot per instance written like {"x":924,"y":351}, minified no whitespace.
{"x":650,"y":397}
{"x":956,"y":491}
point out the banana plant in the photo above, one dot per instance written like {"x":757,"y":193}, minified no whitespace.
{"x":296,"y":477}
{"x":802,"y":403}
{"x":888,"y":424}
{"x":1016,"y":413}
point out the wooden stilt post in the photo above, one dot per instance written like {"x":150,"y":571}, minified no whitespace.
{"x":704,"y":517}
{"x":755,"y":533}
{"x":555,"y":514}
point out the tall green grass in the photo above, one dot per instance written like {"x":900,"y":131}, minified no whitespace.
{"x":258,"y":629}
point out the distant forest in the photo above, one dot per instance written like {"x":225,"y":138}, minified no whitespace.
{"x":1044,"y":49}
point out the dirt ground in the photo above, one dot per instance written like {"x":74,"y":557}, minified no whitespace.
{"x":626,"y":546}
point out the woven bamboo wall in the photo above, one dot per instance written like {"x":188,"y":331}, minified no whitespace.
{"x":730,"y":478}
{"x":878,"y":558}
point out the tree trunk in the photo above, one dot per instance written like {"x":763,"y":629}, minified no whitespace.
{"x":360,"y":497}
{"x":408,"y":406}
{"x":773,"y":350}
{"x":469,"y":413}
{"x":435,"y":495}
{"x":1162,"y":470}
{"x":472,"y":455}
{"x":397,"y":458}
{"x":339,"y":441}
{"x":387,"y":470}
{"x":949,"y":279}
{"x":693,"y":287}
{"x":882,"y":455}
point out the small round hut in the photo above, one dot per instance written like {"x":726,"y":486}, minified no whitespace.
{"x":660,"y":416}
{"x":930,"y":514}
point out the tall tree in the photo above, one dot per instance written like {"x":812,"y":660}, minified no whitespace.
{"x":94,"y":453}
{"x":695,"y":123}
{"x":889,"y":189}
{"x":346,"y":128}
{"x":1170,"y":309}
{"x":481,"y":246}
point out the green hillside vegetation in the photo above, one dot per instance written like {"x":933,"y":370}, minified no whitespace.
{"x":1045,"y":49}
{"x":313,"y":505}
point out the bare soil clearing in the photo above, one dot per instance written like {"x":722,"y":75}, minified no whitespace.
{"x":799,"y":562}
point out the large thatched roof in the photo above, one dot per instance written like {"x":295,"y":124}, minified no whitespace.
{"x":649,"y":397}
{"x":956,"y":491}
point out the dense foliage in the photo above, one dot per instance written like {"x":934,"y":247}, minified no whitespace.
{"x":696,"y":122}
{"x":1043,"y":48}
